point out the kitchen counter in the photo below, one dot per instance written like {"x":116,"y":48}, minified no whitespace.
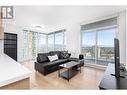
{"x":11,"y":71}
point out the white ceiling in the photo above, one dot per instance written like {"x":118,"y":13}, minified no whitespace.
{"x":50,"y":16}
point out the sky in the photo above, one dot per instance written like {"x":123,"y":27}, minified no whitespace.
{"x":104,"y":38}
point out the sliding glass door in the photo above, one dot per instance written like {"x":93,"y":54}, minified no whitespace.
{"x":105,"y":46}
{"x":88,"y":46}
{"x":34,"y":43}
{"x":42,"y":43}
{"x":59,"y":41}
{"x":56,"y":40}
{"x":25,"y":45}
{"x":98,"y":41}
{"x":51,"y":42}
{"x":98,"y":46}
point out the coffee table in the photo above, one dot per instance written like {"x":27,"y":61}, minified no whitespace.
{"x":72,"y":68}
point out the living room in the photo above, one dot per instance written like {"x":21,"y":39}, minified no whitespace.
{"x":83,"y":34}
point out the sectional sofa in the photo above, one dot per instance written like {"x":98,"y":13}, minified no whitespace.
{"x":45,"y":66}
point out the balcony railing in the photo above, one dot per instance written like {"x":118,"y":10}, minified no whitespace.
{"x":102,"y":55}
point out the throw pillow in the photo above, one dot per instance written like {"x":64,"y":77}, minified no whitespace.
{"x":42,"y":57}
{"x":64,"y":55}
{"x":52,"y":58}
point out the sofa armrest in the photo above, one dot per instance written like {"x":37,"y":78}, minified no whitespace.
{"x":36,"y":65}
{"x":40,"y":68}
{"x":81,"y":61}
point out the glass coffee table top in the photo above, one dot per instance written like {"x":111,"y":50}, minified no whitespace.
{"x":69,"y":64}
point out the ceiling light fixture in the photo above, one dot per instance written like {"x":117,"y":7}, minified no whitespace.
{"x":38,"y":26}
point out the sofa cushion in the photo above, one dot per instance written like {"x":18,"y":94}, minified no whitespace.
{"x":56,"y":62}
{"x":73,"y":59}
{"x":42,"y":57}
{"x":64,"y":55}
{"x":55,"y":52}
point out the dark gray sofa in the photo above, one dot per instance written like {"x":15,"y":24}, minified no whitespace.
{"x":44,"y":66}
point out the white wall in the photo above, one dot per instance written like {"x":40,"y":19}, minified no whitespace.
{"x":126,"y":37}
{"x":122,"y":35}
{"x":1,"y":46}
{"x":73,"y":39}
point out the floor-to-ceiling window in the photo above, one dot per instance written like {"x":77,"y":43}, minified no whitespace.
{"x":98,"y":41}
{"x":51,"y":42}
{"x":34,"y":43}
{"x":88,"y":45}
{"x":57,"y":40}
{"x":105,"y":45}
{"x":65,"y":41}
{"x":25,"y":44}
{"x":42,"y":42}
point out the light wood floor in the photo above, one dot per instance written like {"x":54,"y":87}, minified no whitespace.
{"x":89,"y":78}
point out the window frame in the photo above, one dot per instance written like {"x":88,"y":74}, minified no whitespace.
{"x":97,"y":30}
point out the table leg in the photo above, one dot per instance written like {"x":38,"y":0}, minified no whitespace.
{"x":59,"y":72}
{"x":68,"y":75}
{"x":80,"y":68}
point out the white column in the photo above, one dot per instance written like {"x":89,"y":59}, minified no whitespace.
{"x":122,"y":36}
{"x":1,"y":46}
